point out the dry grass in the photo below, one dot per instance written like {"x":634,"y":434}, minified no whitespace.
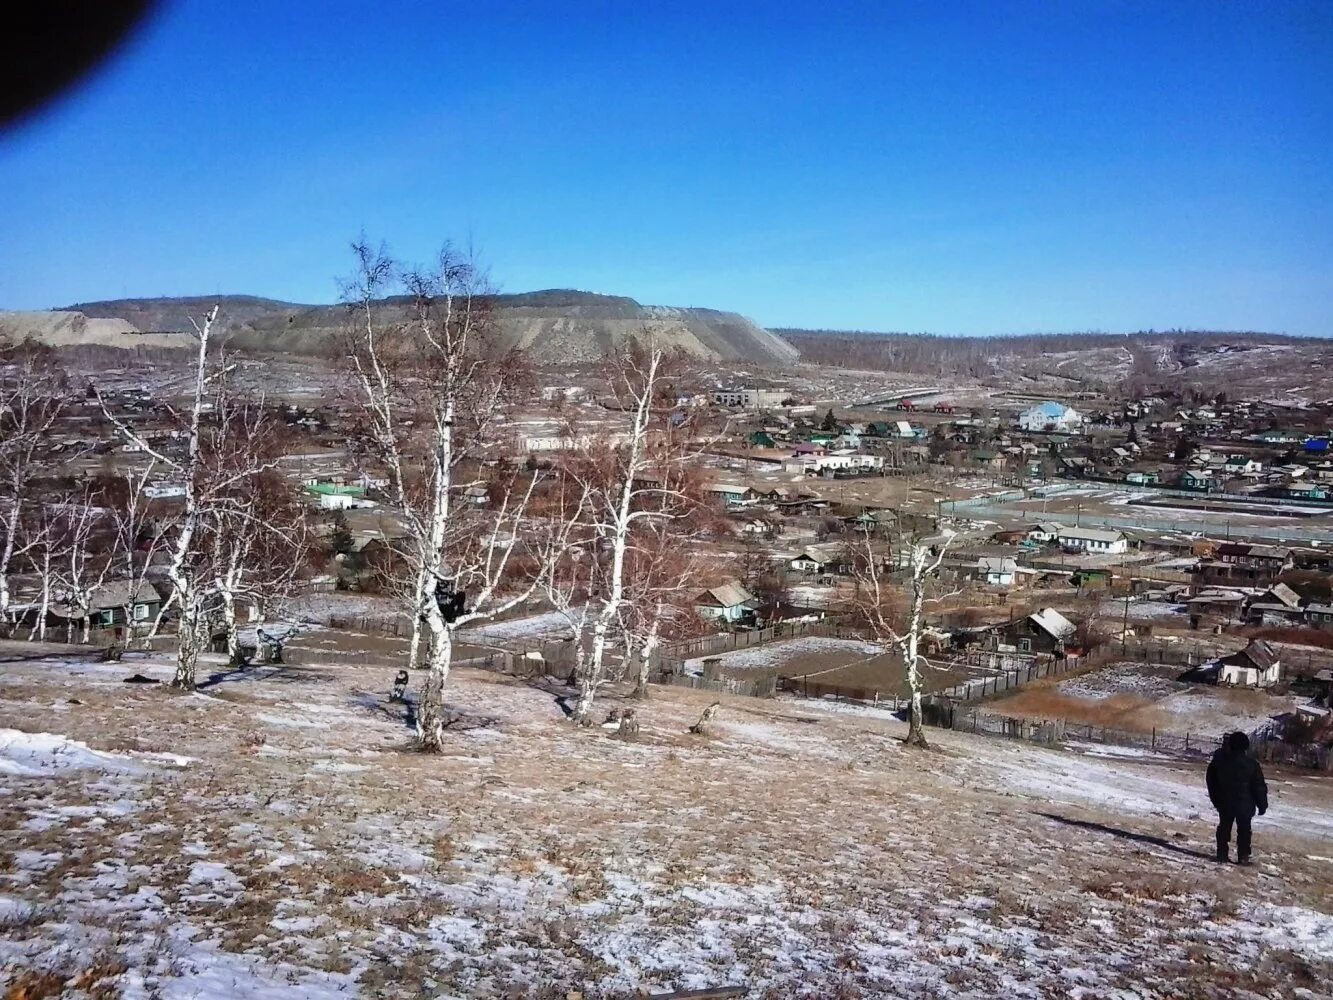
{"x":792,"y":850}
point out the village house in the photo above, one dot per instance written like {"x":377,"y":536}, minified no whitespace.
{"x":1045,"y":631}
{"x":1238,"y":564}
{"x":822,"y":558}
{"x":107,"y":609}
{"x":1045,"y":532}
{"x":1050,"y":417}
{"x":730,"y":494}
{"x":1278,"y":605}
{"x":727,"y":602}
{"x":331,"y":496}
{"x":1095,"y":541}
{"x":996,"y":571}
{"x":1256,"y":666}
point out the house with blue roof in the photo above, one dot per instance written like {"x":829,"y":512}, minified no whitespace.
{"x":1051,"y":417}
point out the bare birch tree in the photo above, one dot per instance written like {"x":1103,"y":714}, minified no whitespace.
{"x":82,"y":565}
{"x":432,"y":392}
{"x":32,"y":392}
{"x":215,"y":429}
{"x":880,"y":605}
{"x":630,"y":483}
{"x":140,"y":530}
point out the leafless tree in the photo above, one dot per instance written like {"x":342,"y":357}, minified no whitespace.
{"x":32,"y":391}
{"x":631,"y":483}
{"x":216,"y":459}
{"x":881,"y":607}
{"x":140,"y":530}
{"x":82,"y":563}
{"x":432,"y":392}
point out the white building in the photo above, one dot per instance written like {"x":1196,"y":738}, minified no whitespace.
{"x":748,"y":399}
{"x":1098,"y":541}
{"x":1051,"y":417}
{"x":1257,"y":665}
{"x":566,"y":443}
{"x":997,"y":571}
{"x":838,"y":461}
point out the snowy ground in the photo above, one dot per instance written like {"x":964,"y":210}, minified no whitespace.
{"x":292,"y":848}
{"x":1138,"y":611}
{"x":1143,"y":697}
{"x":548,"y":625}
{"x":776,"y":655}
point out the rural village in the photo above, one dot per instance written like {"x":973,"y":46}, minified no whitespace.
{"x":1122,"y":573}
{"x":677,"y":501}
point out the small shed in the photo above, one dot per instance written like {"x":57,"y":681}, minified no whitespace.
{"x":1257,"y":666}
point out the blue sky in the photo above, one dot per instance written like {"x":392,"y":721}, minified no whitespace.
{"x":989,"y":167}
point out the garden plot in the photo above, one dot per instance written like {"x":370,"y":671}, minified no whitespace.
{"x":793,"y":657}
{"x":1140,"y":611}
{"x":549,"y":625}
{"x":1143,"y":698}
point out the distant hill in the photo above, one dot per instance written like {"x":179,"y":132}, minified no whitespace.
{"x":555,"y":324}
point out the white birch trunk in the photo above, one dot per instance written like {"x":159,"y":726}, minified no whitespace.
{"x":646,"y":652}
{"x":619,"y":529}
{"x":229,"y":624}
{"x":7,"y":555}
{"x":440,"y":648}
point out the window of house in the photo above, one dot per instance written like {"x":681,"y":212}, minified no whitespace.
{"x":1025,"y":645}
{"x":141,"y":612}
{"x":105,"y":618}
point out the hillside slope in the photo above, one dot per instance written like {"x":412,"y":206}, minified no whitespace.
{"x":556,"y":325}
{"x":75,"y":329}
{"x":272,"y":838}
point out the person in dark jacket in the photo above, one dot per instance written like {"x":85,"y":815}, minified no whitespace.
{"x":1237,"y":790}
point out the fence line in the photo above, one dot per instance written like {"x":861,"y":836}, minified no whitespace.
{"x":1054,"y":732}
{"x":725,"y":642}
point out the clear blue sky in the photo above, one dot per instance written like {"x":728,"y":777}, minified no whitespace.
{"x":984,"y":167}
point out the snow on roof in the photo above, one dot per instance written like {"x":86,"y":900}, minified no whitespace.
{"x":729,"y":594}
{"x":1092,"y":534}
{"x":823,"y":552}
{"x":1052,"y":410}
{"x":1053,"y":623}
{"x":997,"y":564}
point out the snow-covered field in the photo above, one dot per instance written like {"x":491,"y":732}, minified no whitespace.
{"x":548,"y":625}
{"x":1125,"y":678}
{"x":1143,"y":697}
{"x":296,"y":849}
{"x":1139,"y":611}
{"x":774,"y":655}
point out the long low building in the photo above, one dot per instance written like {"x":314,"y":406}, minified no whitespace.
{"x":1102,"y":541}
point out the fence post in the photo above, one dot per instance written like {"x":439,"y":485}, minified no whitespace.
{"x":1187,"y":742}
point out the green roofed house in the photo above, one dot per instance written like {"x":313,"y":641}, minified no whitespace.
{"x":761,"y":439}
{"x":332,"y":496}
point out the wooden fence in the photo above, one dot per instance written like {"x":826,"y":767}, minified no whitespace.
{"x":1055,"y":732}
{"x":712,"y":645}
{"x":1011,"y":677}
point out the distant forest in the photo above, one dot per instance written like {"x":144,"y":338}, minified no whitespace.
{"x":932,"y":354}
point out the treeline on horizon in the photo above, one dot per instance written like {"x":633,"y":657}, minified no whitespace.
{"x":940,"y":354}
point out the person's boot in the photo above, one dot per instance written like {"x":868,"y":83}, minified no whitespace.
{"x":1244,"y":861}
{"x":1223,"y":856}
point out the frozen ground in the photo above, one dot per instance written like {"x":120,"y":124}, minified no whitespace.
{"x":775,"y":655}
{"x":548,"y":625}
{"x":1125,"y":678}
{"x":1144,"y":697}
{"x":797,"y":852}
{"x":1137,"y":611}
